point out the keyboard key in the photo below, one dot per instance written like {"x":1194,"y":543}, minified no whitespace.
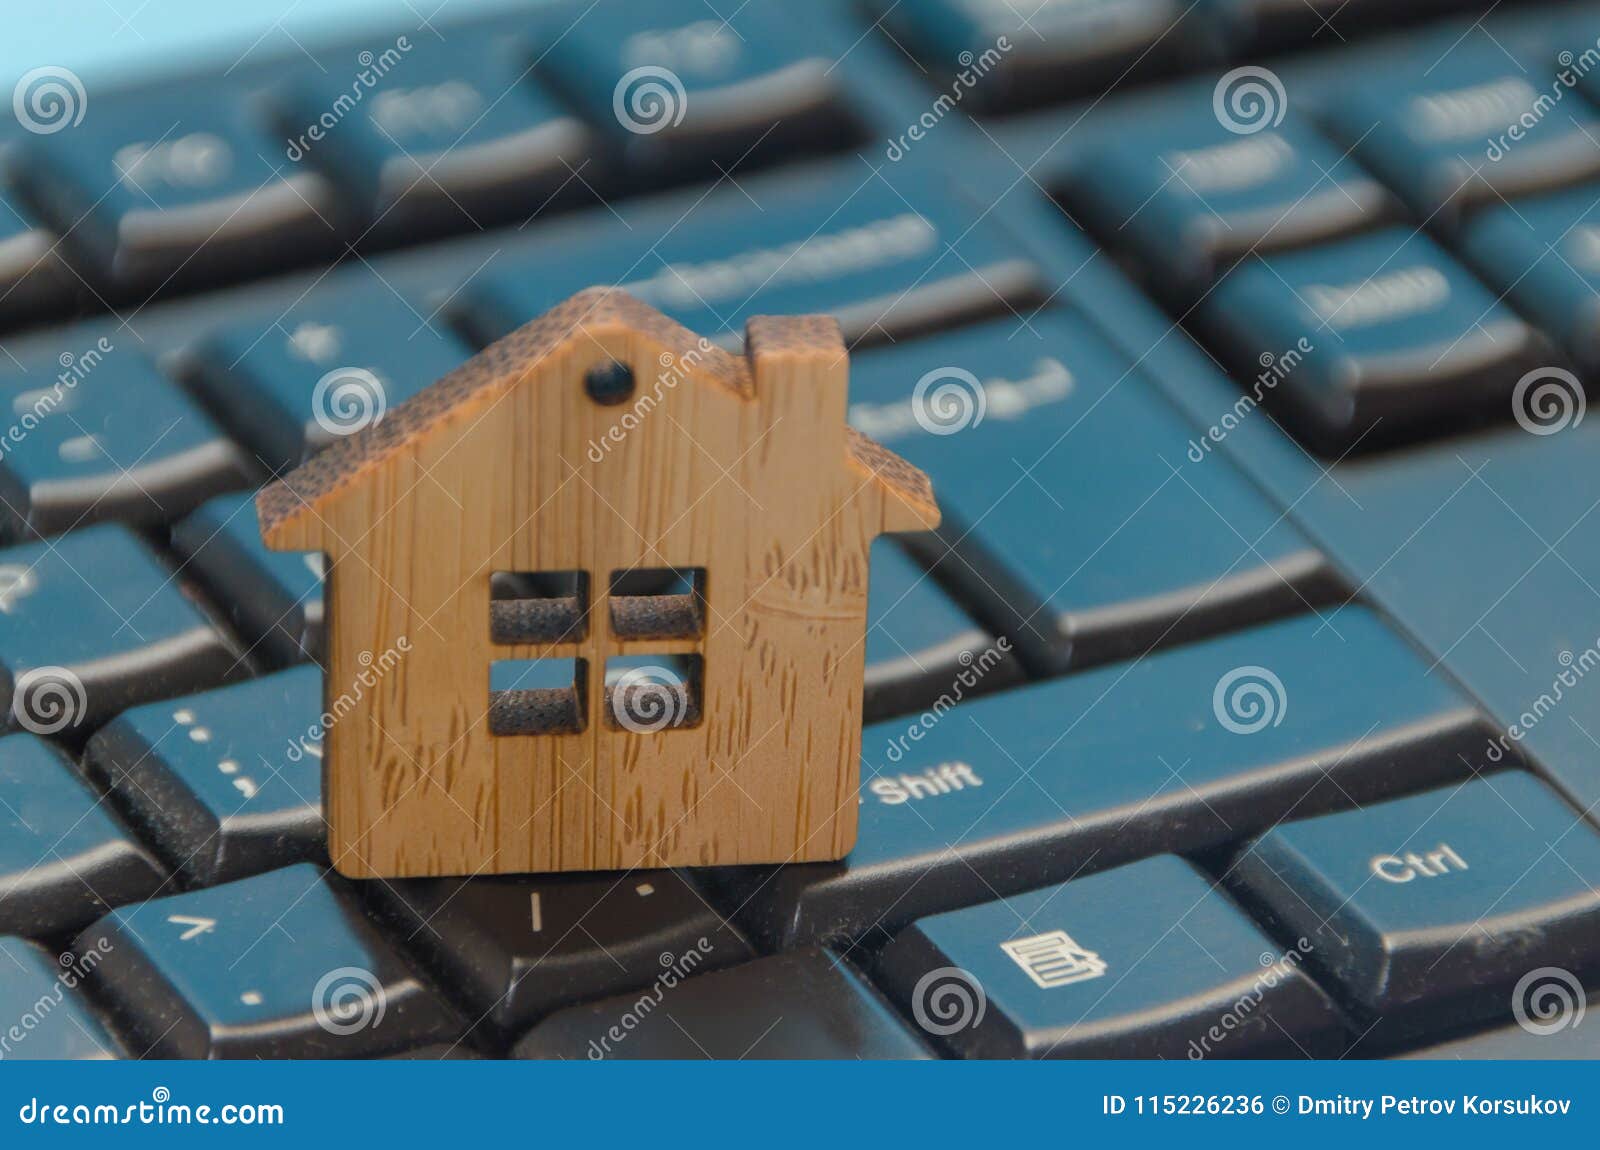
{"x":64,"y":858}
{"x":516,"y":949}
{"x":805,"y":1004}
{"x":92,"y":624}
{"x":1186,"y":197}
{"x":1051,"y":48}
{"x":920,"y":645}
{"x":1516,"y":1043}
{"x":678,"y":86}
{"x":1433,"y":906}
{"x":287,"y":386}
{"x":272,"y":598}
{"x":1240,"y":27}
{"x":108,"y":438}
{"x":34,"y":280}
{"x":457,"y":138}
{"x":1083,"y":530}
{"x":1145,"y":961}
{"x":178,"y":186}
{"x":227,"y":783}
{"x":1466,"y":124}
{"x":1389,"y":337}
{"x":1544,"y":254}
{"x":39,"y":994}
{"x":1040,"y":784}
{"x":818,"y":243}
{"x":276,"y":966}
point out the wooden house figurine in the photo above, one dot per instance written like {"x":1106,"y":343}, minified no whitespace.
{"x":601,"y":487}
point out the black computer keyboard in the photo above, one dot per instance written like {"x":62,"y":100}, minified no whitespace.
{"x":1239,"y":708}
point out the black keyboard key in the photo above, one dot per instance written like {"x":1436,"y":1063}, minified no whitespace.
{"x":455,"y":138}
{"x":1462,"y":123}
{"x":48,"y":1017}
{"x":1084,"y":530}
{"x":1432,"y":907}
{"x":91,"y":624}
{"x":920,"y":645}
{"x":34,"y":279}
{"x":272,"y":598}
{"x":108,"y":438}
{"x":227,"y":783}
{"x":820,"y":242}
{"x":1370,"y":339}
{"x":1544,"y":254}
{"x":1021,"y":52}
{"x":676,"y":86}
{"x":177,"y":186}
{"x":1039,"y":784}
{"x":805,"y":1004}
{"x":1185,"y":196}
{"x":1145,"y":961}
{"x":287,"y":386}
{"x":64,"y":858}
{"x":517,"y":949}
{"x":276,"y":966}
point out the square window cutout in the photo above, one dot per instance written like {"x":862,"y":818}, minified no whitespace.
{"x":538,"y":606}
{"x":658,"y":603}
{"x":537,"y":696}
{"x":650,"y":693}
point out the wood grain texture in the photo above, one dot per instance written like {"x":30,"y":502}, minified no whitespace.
{"x":742,"y":466}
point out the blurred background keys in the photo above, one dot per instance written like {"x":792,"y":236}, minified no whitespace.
{"x":276,"y":966}
{"x":1140,"y":962}
{"x":804,"y":1004}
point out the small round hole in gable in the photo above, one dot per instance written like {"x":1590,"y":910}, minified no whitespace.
{"x":609,"y":383}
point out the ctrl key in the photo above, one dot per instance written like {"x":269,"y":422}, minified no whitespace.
{"x":1434,"y":906}
{"x":1145,"y":961}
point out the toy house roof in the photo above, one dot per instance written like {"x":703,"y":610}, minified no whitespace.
{"x":348,"y":461}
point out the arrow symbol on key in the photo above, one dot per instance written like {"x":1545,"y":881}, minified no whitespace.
{"x":197,"y":926}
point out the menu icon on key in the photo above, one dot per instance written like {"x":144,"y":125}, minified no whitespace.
{"x":1054,"y":959}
